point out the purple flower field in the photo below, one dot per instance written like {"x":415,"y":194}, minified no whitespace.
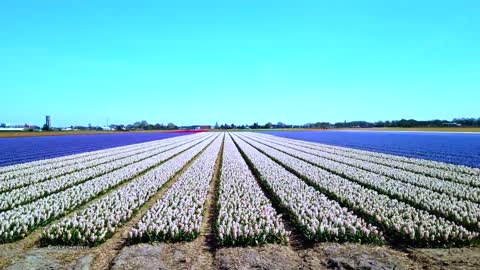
{"x":455,"y":148}
{"x":25,"y":149}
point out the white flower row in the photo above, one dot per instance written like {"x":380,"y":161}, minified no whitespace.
{"x":71,"y":163}
{"x":464,"y":212}
{"x":63,"y":167}
{"x":18,"y":168}
{"x":444,"y":174}
{"x":400,"y":220}
{"x":421,"y":162}
{"x":37,"y":190}
{"x":26,"y":168}
{"x":245,"y":215}
{"x":442,"y":186}
{"x":99,"y":221}
{"x":391,"y":167}
{"x":64,"y":172}
{"x":178,"y":215}
{"x":318,"y":217}
{"x":18,"y":222}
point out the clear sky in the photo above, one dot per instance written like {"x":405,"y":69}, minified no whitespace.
{"x":197,"y":62}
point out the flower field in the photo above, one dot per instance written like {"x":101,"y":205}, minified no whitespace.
{"x":261,"y":189}
{"x":19,"y":150}
{"x":455,"y":148}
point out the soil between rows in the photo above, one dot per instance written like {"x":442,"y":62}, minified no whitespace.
{"x":320,"y":256}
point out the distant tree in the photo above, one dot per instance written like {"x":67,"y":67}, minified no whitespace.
{"x":269,"y":125}
{"x":216,"y":125}
{"x":143,"y":124}
{"x":45,"y":127}
{"x":171,"y":126}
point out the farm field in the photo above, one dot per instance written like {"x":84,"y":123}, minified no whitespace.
{"x":456,"y":148}
{"x":422,"y":129}
{"x":22,"y":134}
{"x":242,"y":200}
{"x":25,"y":149}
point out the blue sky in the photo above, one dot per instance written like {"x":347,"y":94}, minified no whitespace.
{"x":197,"y":62}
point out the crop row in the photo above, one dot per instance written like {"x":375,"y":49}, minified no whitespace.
{"x":443,"y":174}
{"x":107,"y":164}
{"x":18,"y":222}
{"x":464,"y":212}
{"x":401,"y":221}
{"x":245,"y":215}
{"x":57,"y":168}
{"x":441,"y":167}
{"x":319,"y":218}
{"x":444,"y":186}
{"x":32,"y":192}
{"x":54,"y":162}
{"x":177,"y":215}
{"x":99,"y":220}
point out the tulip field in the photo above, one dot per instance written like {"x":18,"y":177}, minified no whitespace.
{"x":261,"y":188}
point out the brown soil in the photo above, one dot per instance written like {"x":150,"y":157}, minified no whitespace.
{"x":198,"y":254}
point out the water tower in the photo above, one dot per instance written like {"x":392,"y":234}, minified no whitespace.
{"x":48,"y":121}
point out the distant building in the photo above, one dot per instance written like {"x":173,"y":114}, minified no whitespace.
{"x":11,"y":129}
{"x":451,"y":124}
{"x":196,"y":127}
{"x":48,"y":122}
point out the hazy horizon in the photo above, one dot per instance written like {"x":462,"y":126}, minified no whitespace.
{"x":199,"y":63}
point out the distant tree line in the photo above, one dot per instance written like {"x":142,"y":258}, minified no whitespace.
{"x":410,"y":123}
{"x":140,"y":125}
{"x":255,"y":125}
{"x":144,"y":125}
{"x":404,"y":123}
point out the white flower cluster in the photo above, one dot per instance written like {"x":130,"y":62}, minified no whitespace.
{"x":99,"y":221}
{"x":444,"y":174}
{"x":402,"y":221}
{"x":63,"y":165}
{"x":319,"y":217}
{"x":444,"y":186}
{"x":177,"y":216}
{"x":464,"y":212}
{"x":29,"y":193}
{"x":245,"y":215}
{"x":460,"y":173}
{"x":18,"y":222}
{"x":13,"y":171}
